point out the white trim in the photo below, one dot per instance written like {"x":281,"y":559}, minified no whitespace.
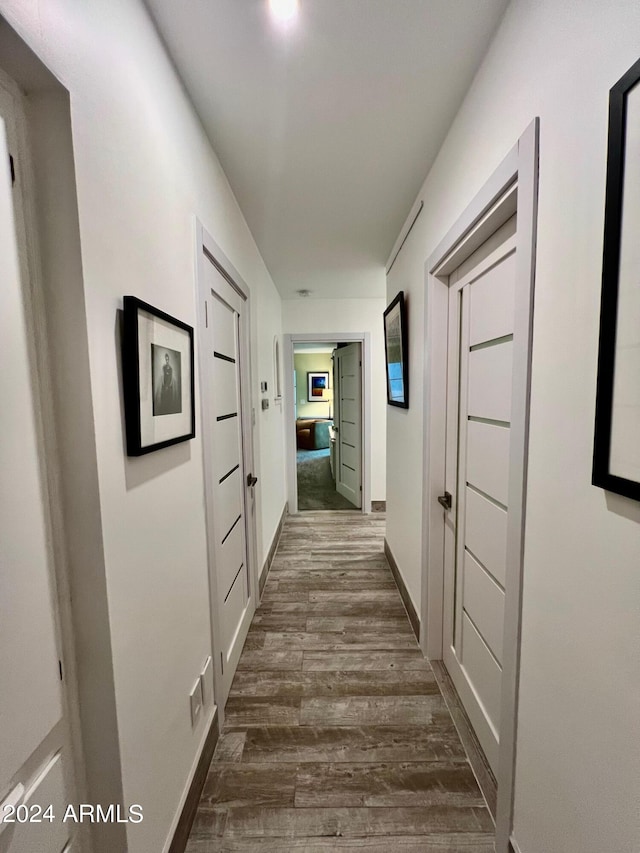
{"x":192,"y":772}
{"x":515,"y":845}
{"x":290,"y":427}
{"x":214,"y":254}
{"x":488,"y":210}
{"x":30,"y":238}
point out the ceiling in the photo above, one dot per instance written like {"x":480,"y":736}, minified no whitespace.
{"x":327,"y":129}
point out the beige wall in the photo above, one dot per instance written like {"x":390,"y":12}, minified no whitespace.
{"x":578,"y":772}
{"x":316,"y":362}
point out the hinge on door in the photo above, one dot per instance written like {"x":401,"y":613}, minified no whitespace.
{"x":222,"y":662}
{"x":12,"y":166}
{"x":60,"y":669}
{"x":206,"y":314}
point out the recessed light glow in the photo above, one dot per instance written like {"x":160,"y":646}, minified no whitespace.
{"x":283,"y":11}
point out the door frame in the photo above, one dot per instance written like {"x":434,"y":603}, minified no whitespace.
{"x":513,"y":187}
{"x":37,"y":245}
{"x":364,"y":339}
{"x":207,"y":246}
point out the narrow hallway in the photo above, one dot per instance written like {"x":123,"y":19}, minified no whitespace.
{"x":336,"y":735}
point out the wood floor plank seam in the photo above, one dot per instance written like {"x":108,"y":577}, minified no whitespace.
{"x":336,"y":733}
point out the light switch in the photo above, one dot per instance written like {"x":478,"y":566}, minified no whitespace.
{"x":196,"y":701}
{"x":206,"y":682}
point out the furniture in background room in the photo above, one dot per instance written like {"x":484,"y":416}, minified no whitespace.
{"x":312,"y":434}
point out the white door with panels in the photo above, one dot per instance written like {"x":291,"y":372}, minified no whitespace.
{"x":348,"y":421}
{"x":35,"y":756}
{"x":479,"y":375}
{"x":233,"y":501}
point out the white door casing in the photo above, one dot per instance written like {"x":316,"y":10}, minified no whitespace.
{"x":348,"y":422}
{"x":512,"y":188}
{"x":224,"y":360}
{"x":35,"y":752}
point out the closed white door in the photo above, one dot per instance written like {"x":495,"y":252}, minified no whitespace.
{"x":233,"y":506}
{"x":481,"y":324}
{"x":34,"y":750}
{"x":348,"y":421}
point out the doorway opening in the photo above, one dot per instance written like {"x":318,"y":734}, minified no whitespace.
{"x":327,"y":397}
{"x":327,"y":381}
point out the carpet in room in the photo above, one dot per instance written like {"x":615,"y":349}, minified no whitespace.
{"x":316,"y":489}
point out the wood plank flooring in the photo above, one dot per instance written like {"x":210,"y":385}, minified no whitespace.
{"x":336,"y":735}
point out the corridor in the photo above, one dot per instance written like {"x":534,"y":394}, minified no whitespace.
{"x":336,"y":735}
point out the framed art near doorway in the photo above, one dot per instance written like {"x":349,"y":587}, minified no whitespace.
{"x":158,"y":378}
{"x":396,"y":353}
{"x":616,"y":458}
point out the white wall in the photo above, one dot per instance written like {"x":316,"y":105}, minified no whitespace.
{"x":311,"y":362}
{"x":144,"y":171}
{"x":324,"y":316}
{"x":578,"y":768}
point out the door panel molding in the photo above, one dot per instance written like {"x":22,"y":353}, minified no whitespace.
{"x":237,"y":295}
{"x":512,"y":187}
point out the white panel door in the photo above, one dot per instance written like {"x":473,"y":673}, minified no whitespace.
{"x":481,"y":322}
{"x":348,"y":407}
{"x":232,"y":593}
{"x":32,"y":724}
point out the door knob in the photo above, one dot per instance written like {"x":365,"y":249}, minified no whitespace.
{"x":251,"y":480}
{"x":445,"y":500}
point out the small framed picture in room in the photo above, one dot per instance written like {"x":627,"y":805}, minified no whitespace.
{"x":158,"y":378}
{"x":616,"y":457}
{"x":395,"y":347}
{"x":317,"y":386}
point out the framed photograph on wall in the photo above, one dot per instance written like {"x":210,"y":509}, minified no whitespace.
{"x":317,"y":387}
{"x":616,"y":457}
{"x":396,"y":353}
{"x":158,"y":378}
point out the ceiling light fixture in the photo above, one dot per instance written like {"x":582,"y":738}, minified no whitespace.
{"x":303,"y":293}
{"x":283,"y":11}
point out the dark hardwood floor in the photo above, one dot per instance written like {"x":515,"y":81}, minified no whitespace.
{"x":336,"y":734}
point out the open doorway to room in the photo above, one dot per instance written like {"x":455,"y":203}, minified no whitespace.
{"x":328,"y":396}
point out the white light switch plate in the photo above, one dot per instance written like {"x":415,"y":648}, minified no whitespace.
{"x":196,"y":702}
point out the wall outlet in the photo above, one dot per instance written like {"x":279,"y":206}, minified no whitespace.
{"x":196,"y":702}
{"x":206,"y":682}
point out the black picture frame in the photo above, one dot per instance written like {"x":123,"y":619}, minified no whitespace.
{"x":612,"y":264}
{"x":158,"y":378}
{"x":320,"y":377}
{"x":396,"y":344}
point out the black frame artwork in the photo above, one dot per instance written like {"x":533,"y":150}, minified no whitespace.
{"x":614,"y":276}
{"x":395,"y":320}
{"x":311,"y":375}
{"x":158,"y":378}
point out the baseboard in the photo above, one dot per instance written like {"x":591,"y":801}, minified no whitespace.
{"x":272,"y":550}
{"x":477,"y":759}
{"x":378,"y":506}
{"x":188,"y":813}
{"x":404,"y":592}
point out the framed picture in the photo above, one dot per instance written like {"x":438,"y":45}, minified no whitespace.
{"x":616,"y":457}
{"x":317,"y":386}
{"x":158,"y":378}
{"x":395,"y":347}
